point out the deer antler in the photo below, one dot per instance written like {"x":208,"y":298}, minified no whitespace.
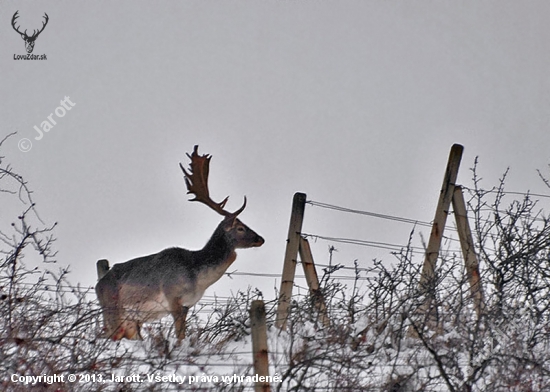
{"x":197,"y":183}
{"x":13,"y":20}
{"x":35,"y":32}
{"x":43,"y":25}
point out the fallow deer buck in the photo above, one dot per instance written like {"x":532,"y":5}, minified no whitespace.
{"x":171,"y":281}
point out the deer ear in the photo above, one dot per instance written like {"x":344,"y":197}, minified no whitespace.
{"x":229,"y":223}
{"x":235,"y":222}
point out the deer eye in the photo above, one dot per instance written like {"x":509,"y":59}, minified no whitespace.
{"x":240,"y":228}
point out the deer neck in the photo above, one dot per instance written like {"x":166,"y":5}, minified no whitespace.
{"x":218,"y":253}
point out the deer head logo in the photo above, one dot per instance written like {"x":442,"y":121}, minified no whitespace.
{"x":29,"y":40}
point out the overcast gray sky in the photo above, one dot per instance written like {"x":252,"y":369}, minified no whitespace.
{"x":354,"y":103}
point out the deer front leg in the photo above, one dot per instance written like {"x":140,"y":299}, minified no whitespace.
{"x":179,"y":313}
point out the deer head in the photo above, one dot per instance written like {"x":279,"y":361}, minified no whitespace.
{"x":29,"y":40}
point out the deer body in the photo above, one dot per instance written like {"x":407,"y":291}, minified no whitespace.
{"x":171,"y":281}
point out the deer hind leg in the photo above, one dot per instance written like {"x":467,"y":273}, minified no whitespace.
{"x":179,"y":313}
{"x":108,"y":299}
{"x":110,"y":324}
{"x":130,"y":329}
{"x":115,"y":326}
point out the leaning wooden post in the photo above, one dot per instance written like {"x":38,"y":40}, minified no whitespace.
{"x":259,"y":345}
{"x":434,"y":244}
{"x":102,"y":268}
{"x":313,"y":281}
{"x":468,"y":251}
{"x":438,"y":226}
{"x":291,"y":253}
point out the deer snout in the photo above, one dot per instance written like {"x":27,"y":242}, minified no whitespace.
{"x":249,"y":240}
{"x":259,"y":241}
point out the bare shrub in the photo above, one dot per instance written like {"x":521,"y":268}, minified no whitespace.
{"x":52,"y":327}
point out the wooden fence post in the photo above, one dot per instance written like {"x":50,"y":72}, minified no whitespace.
{"x":102,"y":268}
{"x":313,"y":281}
{"x":259,"y":344}
{"x":434,"y":244}
{"x":291,"y":253}
{"x":438,"y":226}
{"x":468,"y":252}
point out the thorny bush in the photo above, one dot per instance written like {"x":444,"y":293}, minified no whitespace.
{"x":381,"y":336}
